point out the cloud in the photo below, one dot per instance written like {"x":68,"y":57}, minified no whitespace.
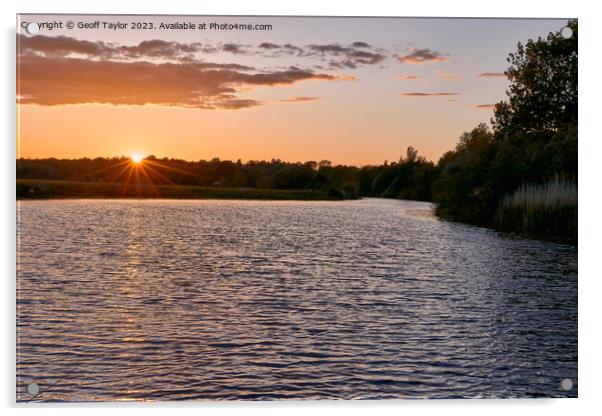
{"x":428,"y":94}
{"x":341,"y":56}
{"x":420,"y":56}
{"x":61,"y":80}
{"x":68,"y":46}
{"x":233,"y":48}
{"x":278,"y":50}
{"x":61,"y":46}
{"x":491,"y":75}
{"x":299,"y":99}
{"x":160,"y":49}
{"x":347,"y":77}
{"x":408,"y":77}
{"x":64,"y":70}
{"x":471,"y":105}
{"x":336,"y":56}
{"x":449,"y":76}
{"x":269,"y":45}
{"x":333,"y":48}
{"x":333,"y":55}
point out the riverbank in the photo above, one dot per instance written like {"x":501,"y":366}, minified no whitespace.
{"x":558,"y":226}
{"x":55,"y":189}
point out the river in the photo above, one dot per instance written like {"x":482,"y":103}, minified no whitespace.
{"x":260,"y":300}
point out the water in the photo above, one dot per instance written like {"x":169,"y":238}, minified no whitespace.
{"x":172,"y":300}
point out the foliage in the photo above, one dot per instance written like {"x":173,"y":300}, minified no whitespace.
{"x":534,"y":140}
{"x":463,"y":189}
{"x":543,"y":93}
{"x":548,"y":209}
{"x":52,"y":189}
{"x":411,"y":178}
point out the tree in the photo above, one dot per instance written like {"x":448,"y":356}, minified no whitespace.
{"x":534,"y":136}
{"x":537,"y":126}
{"x":543,"y":92}
{"x":463,"y":189}
{"x":312,"y":164}
{"x":325,"y":163}
{"x":411,"y":155}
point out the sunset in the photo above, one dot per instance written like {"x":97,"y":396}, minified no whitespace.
{"x":274,"y":208}
{"x":235,"y":95}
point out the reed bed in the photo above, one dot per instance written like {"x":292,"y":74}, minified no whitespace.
{"x":548,"y":210}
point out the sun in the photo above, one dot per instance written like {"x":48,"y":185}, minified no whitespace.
{"x":136,"y":158}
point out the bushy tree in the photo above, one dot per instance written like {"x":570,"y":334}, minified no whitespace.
{"x":534,"y":136}
{"x":542,"y":97}
{"x":463,"y":190}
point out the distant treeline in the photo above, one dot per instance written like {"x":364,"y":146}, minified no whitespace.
{"x":520,"y":176}
{"x":410,"y":178}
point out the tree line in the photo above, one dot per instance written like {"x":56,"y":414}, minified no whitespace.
{"x":410,"y":178}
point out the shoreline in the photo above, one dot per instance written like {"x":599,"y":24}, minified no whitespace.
{"x":44,"y":189}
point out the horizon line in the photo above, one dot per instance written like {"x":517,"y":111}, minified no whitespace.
{"x":243,"y":161}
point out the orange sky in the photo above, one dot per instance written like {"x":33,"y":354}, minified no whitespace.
{"x":354,"y":91}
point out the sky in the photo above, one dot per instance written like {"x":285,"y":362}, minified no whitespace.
{"x":354,"y":91}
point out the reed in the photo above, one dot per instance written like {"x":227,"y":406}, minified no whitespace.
{"x":541,"y":210}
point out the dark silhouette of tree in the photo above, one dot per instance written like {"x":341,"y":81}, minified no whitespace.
{"x":534,"y":136}
{"x":411,"y":155}
{"x":543,"y":92}
{"x":312,"y":164}
{"x":462,"y":188}
{"x":338,"y":181}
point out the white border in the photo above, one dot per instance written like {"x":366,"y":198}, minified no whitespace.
{"x":590,"y":146}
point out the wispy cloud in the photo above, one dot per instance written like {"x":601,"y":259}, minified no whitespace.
{"x":346,"y":56}
{"x":269,"y":45}
{"x":67,"y":46}
{"x":334,"y":56}
{"x":472,"y":105}
{"x":233,"y":48}
{"x":299,"y":99}
{"x":491,"y":75}
{"x":270,"y":49}
{"x":408,"y":77}
{"x":448,"y":76}
{"x":347,"y":77}
{"x":428,"y":94}
{"x":421,"y":56}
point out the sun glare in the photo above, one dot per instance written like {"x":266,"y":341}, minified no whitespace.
{"x":136,"y":157}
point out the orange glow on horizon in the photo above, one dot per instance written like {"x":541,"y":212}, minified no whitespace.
{"x":230,"y":135}
{"x":140,"y":177}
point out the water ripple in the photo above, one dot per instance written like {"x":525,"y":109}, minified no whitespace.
{"x":257,"y":300}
